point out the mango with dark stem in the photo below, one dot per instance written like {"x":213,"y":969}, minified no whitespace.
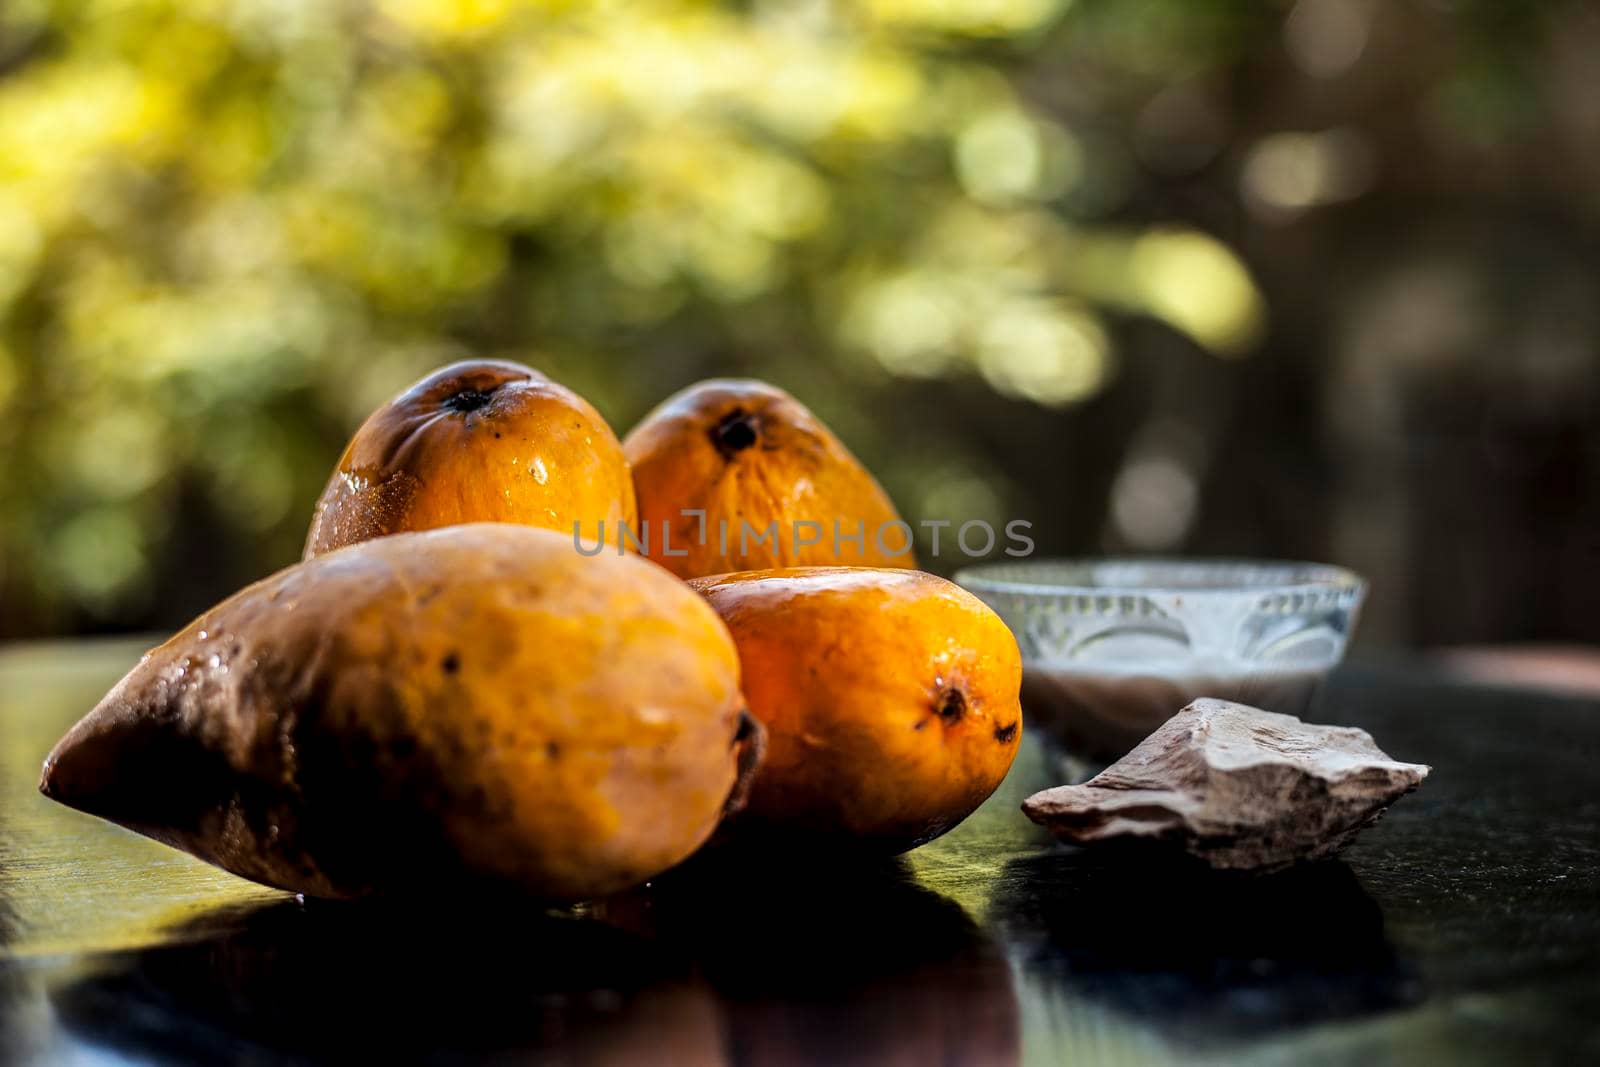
{"x":733,"y":474}
{"x":477,"y":441}
{"x":890,"y":699}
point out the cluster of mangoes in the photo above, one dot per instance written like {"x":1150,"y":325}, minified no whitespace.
{"x":455,"y":684}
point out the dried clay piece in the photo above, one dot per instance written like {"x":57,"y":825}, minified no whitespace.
{"x":1236,"y":786}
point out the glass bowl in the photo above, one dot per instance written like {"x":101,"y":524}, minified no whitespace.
{"x":1111,"y":648}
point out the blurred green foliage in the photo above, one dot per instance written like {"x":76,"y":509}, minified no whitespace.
{"x":229,"y":228}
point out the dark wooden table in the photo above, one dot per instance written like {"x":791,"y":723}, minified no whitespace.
{"x":1464,"y":928}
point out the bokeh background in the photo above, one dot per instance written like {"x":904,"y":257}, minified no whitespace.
{"x":1308,"y":279}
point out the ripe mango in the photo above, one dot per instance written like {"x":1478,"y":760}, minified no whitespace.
{"x":890,"y":699}
{"x":477,"y":441}
{"x":473,"y":703}
{"x":753,"y":459}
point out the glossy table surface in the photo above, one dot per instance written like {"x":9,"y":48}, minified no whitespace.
{"x":1465,"y":927}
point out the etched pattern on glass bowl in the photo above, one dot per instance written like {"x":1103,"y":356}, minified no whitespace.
{"x":1111,"y":648}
